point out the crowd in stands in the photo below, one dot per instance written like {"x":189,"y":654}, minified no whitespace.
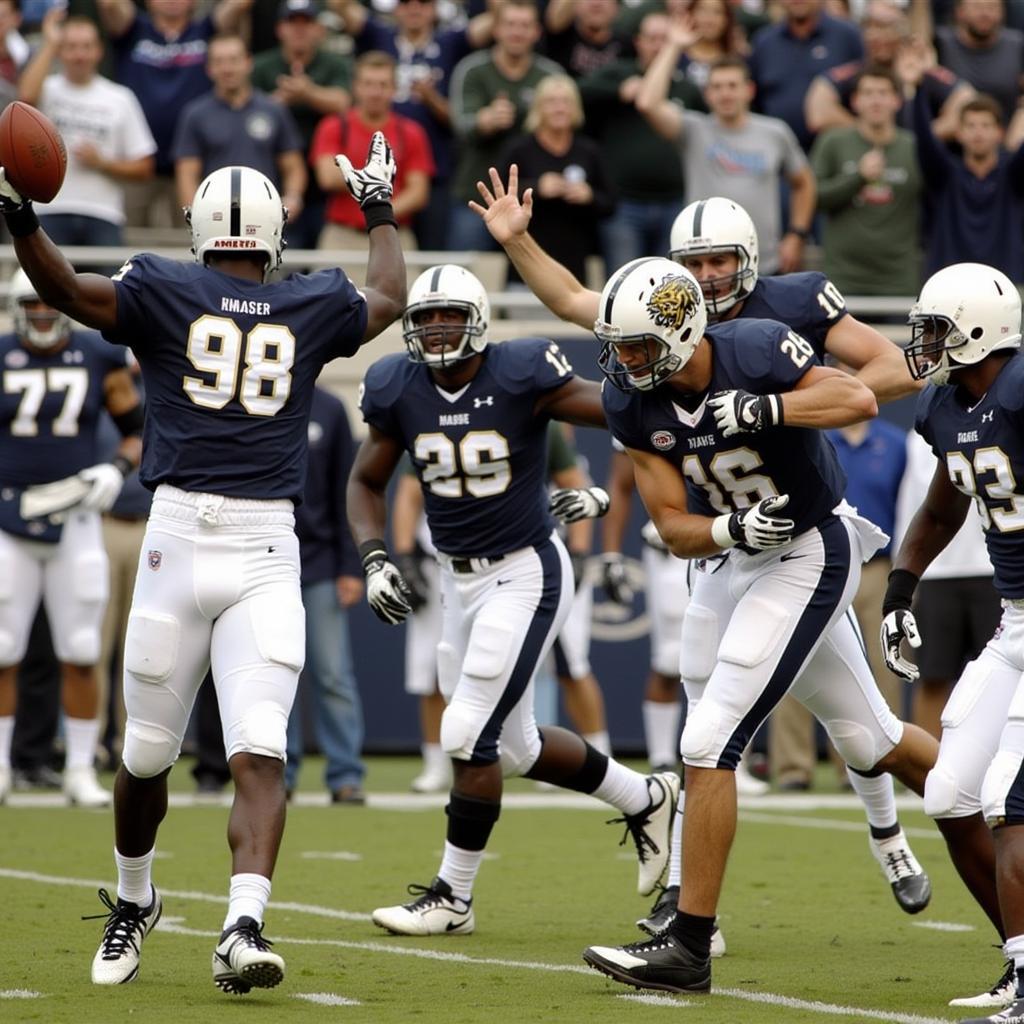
{"x":884,"y":129}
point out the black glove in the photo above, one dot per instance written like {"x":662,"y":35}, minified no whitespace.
{"x":410,"y":565}
{"x":615,"y":579}
{"x":17,"y":211}
{"x":739,"y":412}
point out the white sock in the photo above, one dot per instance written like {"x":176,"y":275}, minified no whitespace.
{"x":877,"y":796}
{"x":134,"y":877}
{"x":6,"y":736}
{"x":434,"y":757}
{"x":675,"y":858}
{"x":661,"y":729}
{"x":599,"y":741}
{"x":80,"y":736}
{"x":623,"y":788}
{"x":459,"y":868}
{"x":248,"y":897}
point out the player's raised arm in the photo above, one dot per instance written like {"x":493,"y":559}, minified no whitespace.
{"x":88,"y":298}
{"x":372,"y":188}
{"x":878,"y":362}
{"x":507,"y":220}
{"x":577,"y":401}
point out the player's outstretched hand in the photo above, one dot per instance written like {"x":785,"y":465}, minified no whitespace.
{"x":411,"y":569}
{"x":374,"y":183}
{"x":10,"y":198}
{"x":759,"y":527}
{"x":505,"y":216}
{"x":615,"y":578}
{"x":105,"y":482}
{"x":571,"y":504}
{"x":386,"y":591}
{"x":740,"y":412}
{"x":897,"y":626}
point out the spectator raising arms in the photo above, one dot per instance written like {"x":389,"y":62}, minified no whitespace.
{"x":567,"y":173}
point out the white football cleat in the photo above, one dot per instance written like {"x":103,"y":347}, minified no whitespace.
{"x":1002,"y":993}
{"x":747,"y":784}
{"x":651,"y":829}
{"x":242,"y":960}
{"x":82,"y":788}
{"x":117,"y":960}
{"x":435,"y":911}
{"x":433,"y":779}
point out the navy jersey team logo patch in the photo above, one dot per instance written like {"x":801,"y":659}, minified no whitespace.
{"x":663,"y":440}
{"x":155,"y":560}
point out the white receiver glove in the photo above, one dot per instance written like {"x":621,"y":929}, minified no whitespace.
{"x":105,"y":481}
{"x":570,"y":504}
{"x":373,"y":183}
{"x":10,"y":198}
{"x":897,"y":626}
{"x":740,"y":412}
{"x":755,"y":527}
{"x":386,"y":591}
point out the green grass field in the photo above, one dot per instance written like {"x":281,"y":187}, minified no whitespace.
{"x":812,"y":930}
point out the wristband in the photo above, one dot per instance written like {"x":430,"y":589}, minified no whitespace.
{"x":377,"y":213}
{"x":720,"y":532}
{"x":802,"y":233}
{"x":372,"y":551}
{"x":899,"y":594}
{"x":775,"y":404}
{"x":22,"y":220}
{"x":122,"y":464}
{"x":130,"y":423}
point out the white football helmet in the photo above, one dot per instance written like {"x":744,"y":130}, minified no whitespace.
{"x":649,"y":302}
{"x":718,"y":225}
{"x":237,"y":209}
{"x":964,"y":313}
{"x":41,"y":330}
{"x":446,"y":286}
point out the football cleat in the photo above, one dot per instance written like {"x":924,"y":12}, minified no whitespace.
{"x":117,"y":960}
{"x":435,"y":911}
{"x":82,"y":788}
{"x":1002,"y":993}
{"x":651,"y":830}
{"x":664,"y":911}
{"x":661,"y":963}
{"x":910,"y":885}
{"x":1013,"y":1014}
{"x":243,"y":961}
{"x":747,"y":784}
{"x":433,"y":779}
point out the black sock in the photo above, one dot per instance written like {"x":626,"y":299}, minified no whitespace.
{"x":884,"y":833}
{"x":470,"y":821}
{"x":693,"y":932}
{"x":1020,"y":982}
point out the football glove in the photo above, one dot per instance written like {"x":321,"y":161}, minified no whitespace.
{"x":386,"y":592}
{"x":615,"y":579}
{"x":755,"y":527}
{"x":410,"y":566}
{"x":374,"y":182}
{"x":570,"y":504}
{"x":897,"y":626}
{"x":740,"y":412}
{"x":10,"y":198}
{"x":105,"y":481}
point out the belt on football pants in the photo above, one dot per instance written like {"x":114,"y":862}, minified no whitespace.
{"x":469,"y":565}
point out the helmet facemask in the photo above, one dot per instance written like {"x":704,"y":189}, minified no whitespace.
{"x":933,"y":339}
{"x":722,"y":293}
{"x":440,"y":344}
{"x":645,"y":376}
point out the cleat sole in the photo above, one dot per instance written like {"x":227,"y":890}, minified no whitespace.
{"x":626,"y":979}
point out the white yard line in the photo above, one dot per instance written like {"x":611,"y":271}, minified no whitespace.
{"x":831,"y":1009}
{"x":326,"y":999}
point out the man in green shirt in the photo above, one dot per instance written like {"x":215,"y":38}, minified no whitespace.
{"x":311,"y":82}
{"x":869,"y":189}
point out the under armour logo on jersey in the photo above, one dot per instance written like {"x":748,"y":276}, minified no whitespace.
{"x":988,"y":417}
{"x":477,"y":402}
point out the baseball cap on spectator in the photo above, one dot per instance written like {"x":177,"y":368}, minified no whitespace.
{"x":297,"y":9}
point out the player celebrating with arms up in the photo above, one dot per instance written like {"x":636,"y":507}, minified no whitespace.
{"x":229,"y":361}
{"x":474,"y":420}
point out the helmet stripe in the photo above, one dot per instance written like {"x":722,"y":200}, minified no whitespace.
{"x":435,"y":278}
{"x":698,"y":217}
{"x":236,"y":202}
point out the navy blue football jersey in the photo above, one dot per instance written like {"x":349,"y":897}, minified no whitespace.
{"x":229,"y":367}
{"x":725,"y":474}
{"x":480,"y":453}
{"x":982,"y":445}
{"x":808,"y":302}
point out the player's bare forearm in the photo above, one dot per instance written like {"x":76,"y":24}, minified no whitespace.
{"x":367,"y":511}
{"x":406,"y":510}
{"x":367,"y":485}
{"x":826,"y":398}
{"x":934,"y":524}
{"x":875,"y":360}
{"x":619,"y":486}
{"x":555,"y":286}
{"x":888,"y":377}
{"x":88,"y":298}
{"x":385,"y":280}
{"x":578,"y":401}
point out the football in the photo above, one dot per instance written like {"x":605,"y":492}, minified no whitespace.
{"x":32,"y":152}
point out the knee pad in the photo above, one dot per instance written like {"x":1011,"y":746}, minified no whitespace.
{"x":90,"y":577}
{"x":151,"y":645}
{"x":460,"y":729}
{"x":448,"y":668}
{"x":1001,"y":775}
{"x":80,"y":646}
{"x":9,"y":649}
{"x":149,"y":749}
{"x":945,"y":798}
{"x":855,"y":743}
{"x":701,"y":734}
{"x":261,"y":729}
{"x":754,"y":632}
{"x":489,"y":650}
{"x":279,"y":625}
{"x":698,"y":649}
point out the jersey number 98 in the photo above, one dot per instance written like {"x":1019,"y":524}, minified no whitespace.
{"x":255,"y":369}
